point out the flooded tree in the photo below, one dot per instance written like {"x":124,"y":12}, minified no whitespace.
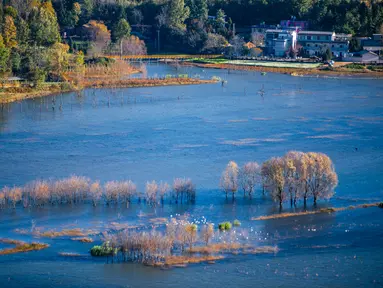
{"x":297,"y":175}
{"x":183,"y":188}
{"x":207,"y":232}
{"x":275,"y":179}
{"x":163,"y":189}
{"x":321,"y":177}
{"x":249,"y":177}
{"x":10,"y":196}
{"x":95,"y":190}
{"x":111,"y":192}
{"x":151,"y":191}
{"x":229,"y":178}
{"x":191,"y":234}
{"x":37,"y":193}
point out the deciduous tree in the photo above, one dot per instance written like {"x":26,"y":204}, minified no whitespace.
{"x":10,"y":32}
{"x":229,"y":178}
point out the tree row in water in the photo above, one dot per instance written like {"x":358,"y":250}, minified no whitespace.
{"x":78,"y":189}
{"x":295,"y":176}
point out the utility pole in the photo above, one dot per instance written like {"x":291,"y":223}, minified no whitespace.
{"x":121,"y":48}
{"x":158,"y":40}
{"x":233,"y":29}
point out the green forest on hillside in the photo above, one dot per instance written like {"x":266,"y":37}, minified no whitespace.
{"x":36,"y":40}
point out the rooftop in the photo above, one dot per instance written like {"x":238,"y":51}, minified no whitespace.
{"x":279,"y":31}
{"x":316,"y":32}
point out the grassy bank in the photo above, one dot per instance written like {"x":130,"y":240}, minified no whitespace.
{"x":13,"y":94}
{"x":291,"y":68}
{"x":113,"y":74}
{"x":320,"y":211}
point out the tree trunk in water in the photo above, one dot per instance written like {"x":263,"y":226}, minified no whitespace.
{"x":305,"y":201}
{"x":315,"y":200}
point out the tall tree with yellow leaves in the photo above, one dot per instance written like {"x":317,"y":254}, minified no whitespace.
{"x":10,"y":32}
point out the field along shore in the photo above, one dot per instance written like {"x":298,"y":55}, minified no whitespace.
{"x":20,"y":92}
{"x":340,"y":69}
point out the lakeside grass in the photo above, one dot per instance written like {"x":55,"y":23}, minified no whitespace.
{"x":8,"y":95}
{"x":186,"y":259}
{"x":82,"y":239}
{"x":320,"y":211}
{"x":75,"y":232}
{"x":275,"y":64}
{"x":21,"y":246}
{"x":276,"y":67}
{"x":232,"y":248}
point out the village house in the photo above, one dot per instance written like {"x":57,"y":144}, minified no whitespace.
{"x":294,"y":24}
{"x":279,"y":42}
{"x":363,"y":57}
{"x":374,"y":44}
{"x":317,"y":42}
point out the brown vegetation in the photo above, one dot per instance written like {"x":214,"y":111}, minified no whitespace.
{"x":82,"y":239}
{"x":21,"y":246}
{"x":168,"y":248}
{"x":323,"y":210}
{"x":218,"y":248}
{"x":75,"y":232}
{"x":188,"y":259}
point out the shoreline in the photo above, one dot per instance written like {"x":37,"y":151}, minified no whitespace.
{"x":297,"y":72}
{"x":55,"y":89}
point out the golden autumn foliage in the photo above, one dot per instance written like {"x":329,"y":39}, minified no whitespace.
{"x":10,"y":32}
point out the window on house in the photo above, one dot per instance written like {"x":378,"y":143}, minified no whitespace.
{"x":316,"y":45}
{"x":341,"y":46}
{"x":333,"y":46}
{"x":308,"y":37}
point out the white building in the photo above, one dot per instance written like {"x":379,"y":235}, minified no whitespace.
{"x":279,"y":42}
{"x":317,"y":42}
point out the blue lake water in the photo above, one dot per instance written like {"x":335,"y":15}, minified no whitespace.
{"x":161,"y":133}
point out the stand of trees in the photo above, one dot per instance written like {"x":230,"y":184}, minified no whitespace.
{"x":78,"y":189}
{"x":295,"y":176}
{"x":30,"y":29}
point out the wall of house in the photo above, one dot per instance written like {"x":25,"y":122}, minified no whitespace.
{"x":317,"y":49}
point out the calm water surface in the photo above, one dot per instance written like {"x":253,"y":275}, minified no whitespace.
{"x":193,"y":131}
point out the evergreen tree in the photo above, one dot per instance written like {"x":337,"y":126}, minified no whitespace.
{"x":177,"y":14}
{"x":43,"y":25}
{"x":121,"y":30}
{"x":198,"y":9}
{"x":4,"y":56}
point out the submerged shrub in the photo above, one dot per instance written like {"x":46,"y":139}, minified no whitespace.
{"x":96,"y":251}
{"x":380,"y":205}
{"x":236,"y":223}
{"x":104,"y":250}
{"x":224,"y":226}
